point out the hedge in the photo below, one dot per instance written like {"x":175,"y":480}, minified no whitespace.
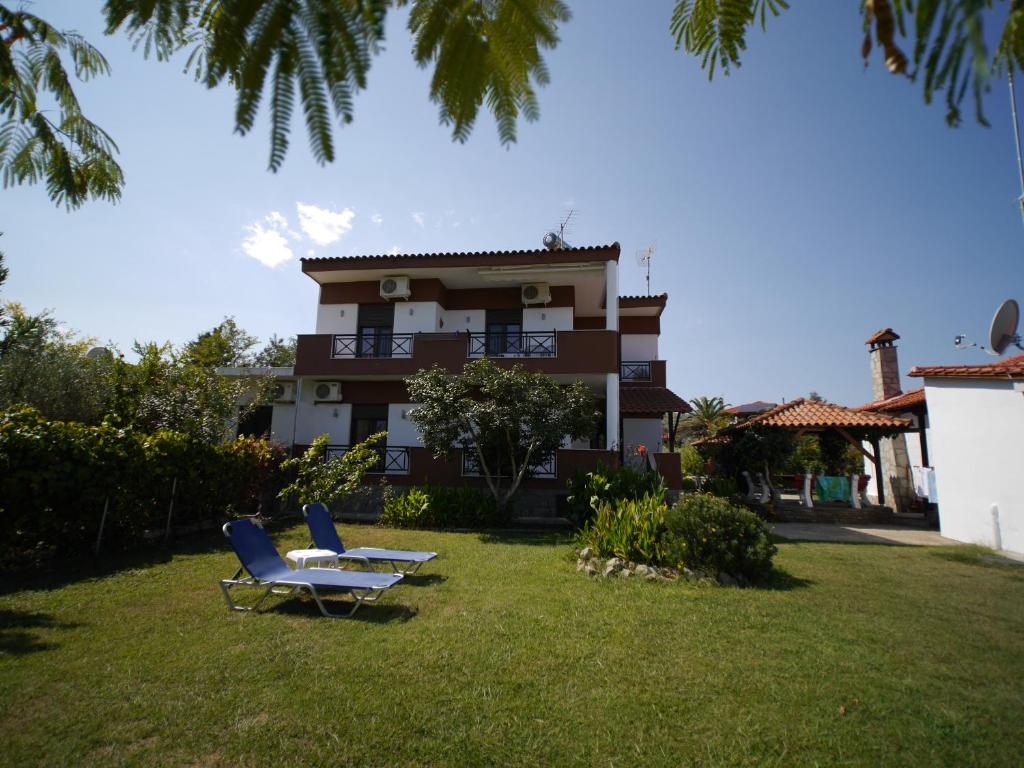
{"x":56,"y":477}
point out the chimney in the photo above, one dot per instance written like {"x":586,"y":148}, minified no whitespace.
{"x":885,"y":368}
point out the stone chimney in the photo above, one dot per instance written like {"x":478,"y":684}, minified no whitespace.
{"x":885,"y":368}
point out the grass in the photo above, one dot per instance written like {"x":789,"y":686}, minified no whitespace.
{"x":502,"y":654}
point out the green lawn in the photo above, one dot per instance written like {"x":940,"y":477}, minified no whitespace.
{"x":500,"y":653}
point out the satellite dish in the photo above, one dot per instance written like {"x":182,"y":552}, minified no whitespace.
{"x":99,"y":353}
{"x":1003,"y":331}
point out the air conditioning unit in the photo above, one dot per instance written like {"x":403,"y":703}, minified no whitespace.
{"x":284,"y":392}
{"x":396,"y":287}
{"x":327,"y":392}
{"x":536,"y":293}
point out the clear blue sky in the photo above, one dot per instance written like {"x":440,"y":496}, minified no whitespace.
{"x":797,"y":206}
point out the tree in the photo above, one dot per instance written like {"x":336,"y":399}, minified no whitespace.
{"x":509,"y":419}
{"x":278,"y":353}
{"x":223,"y":345}
{"x":947,"y":40}
{"x":73,"y":155}
{"x":328,"y":481}
{"x":707,"y":417}
{"x":483,"y":52}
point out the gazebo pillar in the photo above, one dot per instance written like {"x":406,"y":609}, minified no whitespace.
{"x":879,"y":484}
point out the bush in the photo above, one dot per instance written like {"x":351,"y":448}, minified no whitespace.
{"x":691,"y":462}
{"x":56,"y":477}
{"x":711,"y":535}
{"x":632,"y":529}
{"x":440,"y":507}
{"x":589,"y":490}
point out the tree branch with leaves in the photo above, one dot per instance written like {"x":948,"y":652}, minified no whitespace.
{"x":509,"y":419}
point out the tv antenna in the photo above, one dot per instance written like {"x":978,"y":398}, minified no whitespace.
{"x":1016,"y":137}
{"x":1001,"y":334}
{"x":565,"y":224}
{"x":643,"y":258}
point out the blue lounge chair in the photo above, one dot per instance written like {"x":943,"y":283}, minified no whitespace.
{"x":325,"y":536}
{"x":266,"y":569}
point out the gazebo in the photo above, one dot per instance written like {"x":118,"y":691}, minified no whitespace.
{"x":812,"y":416}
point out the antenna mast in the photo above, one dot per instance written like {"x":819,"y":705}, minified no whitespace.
{"x":643,"y":258}
{"x":1016,"y":136}
{"x":564,"y":224}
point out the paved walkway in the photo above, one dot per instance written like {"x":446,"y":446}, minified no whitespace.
{"x":861,"y":534}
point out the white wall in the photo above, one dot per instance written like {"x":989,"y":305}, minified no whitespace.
{"x":315,"y":419}
{"x":639,"y":346}
{"x":645,"y":431}
{"x":402,"y":432}
{"x":463,"y":320}
{"x":976,"y":444}
{"x":417,"y":316}
{"x":547,"y":319}
{"x":329,"y":318}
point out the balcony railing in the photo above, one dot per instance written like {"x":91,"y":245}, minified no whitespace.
{"x":365,"y":345}
{"x":525,"y":344}
{"x":471,"y":466}
{"x":394,"y":460}
{"x":635,"y":370}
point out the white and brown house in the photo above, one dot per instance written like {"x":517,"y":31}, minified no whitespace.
{"x":381,"y":318}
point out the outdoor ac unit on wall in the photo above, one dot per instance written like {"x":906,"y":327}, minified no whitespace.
{"x":284,"y":392}
{"x":327,"y":392}
{"x":536,"y":293}
{"x":396,"y":287}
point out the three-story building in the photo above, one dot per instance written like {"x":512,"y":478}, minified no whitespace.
{"x":381,"y":318}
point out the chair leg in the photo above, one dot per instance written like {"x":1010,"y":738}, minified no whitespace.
{"x":357,"y":596}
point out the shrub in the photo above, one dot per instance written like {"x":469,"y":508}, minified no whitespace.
{"x":315,"y":478}
{"x":709,"y":534}
{"x":632,"y":529}
{"x":589,"y":490}
{"x":691,"y":462}
{"x":440,"y":507}
{"x":56,"y":477}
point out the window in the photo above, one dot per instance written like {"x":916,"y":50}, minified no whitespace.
{"x":504,"y":332}
{"x":375,"y":328}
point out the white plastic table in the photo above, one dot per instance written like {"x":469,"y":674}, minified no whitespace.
{"x":313,"y":558}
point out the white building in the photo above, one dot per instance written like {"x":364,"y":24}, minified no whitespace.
{"x":976,"y":444}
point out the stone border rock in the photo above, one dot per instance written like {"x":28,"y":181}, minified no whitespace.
{"x":588,"y":563}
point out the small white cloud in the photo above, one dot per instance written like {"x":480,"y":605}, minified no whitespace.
{"x":310,"y":253}
{"x":266,"y":240}
{"x":417,"y":216}
{"x":377,"y":219}
{"x":394,"y":250}
{"x":322,"y":225}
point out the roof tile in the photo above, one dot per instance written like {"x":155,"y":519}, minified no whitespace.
{"x":901,"y":402}
{"x":811,"y":414}
{"x":1011,"y":367}
{"x":651,"y":400}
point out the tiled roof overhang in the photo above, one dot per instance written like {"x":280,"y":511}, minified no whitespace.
{"x":657,"y":302}
{"x":463,"y":259}
{"x":647,"y":400}
{"x":905,"y":401}
{"x":815,"y":416}
{"x":1010,"y":368}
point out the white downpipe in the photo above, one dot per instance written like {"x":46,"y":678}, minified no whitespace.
{"x":611,"y":421}
{"x":611,"y":288}
{"x":295,"y":416}
{"x":997,"y":533}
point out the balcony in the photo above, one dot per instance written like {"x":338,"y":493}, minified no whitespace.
{"x":394,"y":460}
{"x":544,"y":469}
{"x":523,"y":344}
{"x":635,"y":370}
{"x":371,"y":345}
{"x":554,"y":352}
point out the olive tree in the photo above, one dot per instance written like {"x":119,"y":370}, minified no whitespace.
{"x":509,"y":419}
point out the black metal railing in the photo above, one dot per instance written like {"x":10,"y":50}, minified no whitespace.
{"x":523,"y":344}
{"x":471,"y":466}
{"x":394,"y":460}
{"x":635,"y":370}
{"x":372,"y":345}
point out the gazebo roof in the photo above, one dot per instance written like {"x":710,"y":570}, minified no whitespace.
{"x":815,"y":416}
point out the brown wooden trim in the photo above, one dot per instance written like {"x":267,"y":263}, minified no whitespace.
{"x":640,"y":324}
{"x":488,"y":259}
{"x":368,"y":292}
{"x":589,"y":323}
{"x":855,"y":443}
{"x":504,"y":298}
{"x":579,"y":352}
{"x":638,"y":302}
